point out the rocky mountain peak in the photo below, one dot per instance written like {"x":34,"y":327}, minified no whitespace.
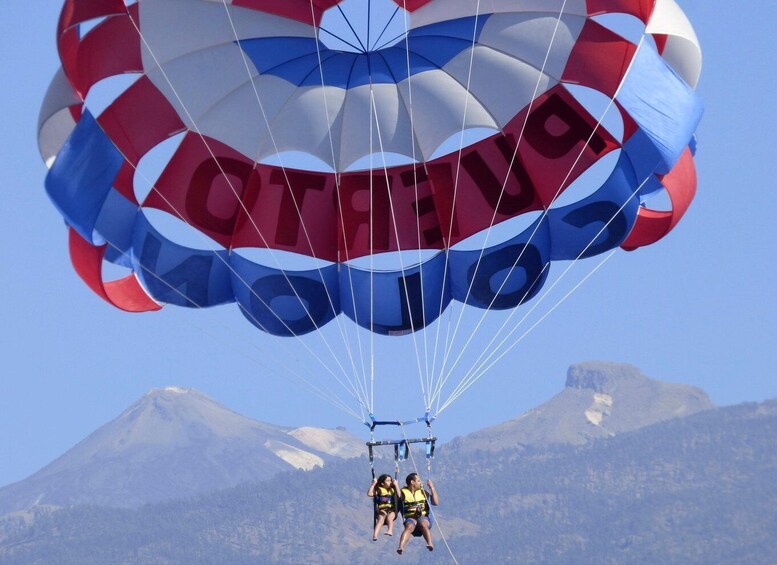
{"x":601,"y":399}
{"x":602,"y":376}
{"x":175,"y":415}
{"x":173,"y":443}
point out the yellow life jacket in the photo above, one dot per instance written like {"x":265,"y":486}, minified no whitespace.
{"x":384,"y":498}
{"x":414,"y":503}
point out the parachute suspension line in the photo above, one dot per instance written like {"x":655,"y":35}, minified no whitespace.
{"x":372,"y":265}
{"x":556,"y":282}
{"x":352,"y":389}
{"x":363,"y":380}
{"x":479,"y":371}
{"x":558,"y":191}
{"x":424,"y":391}
{"x":401,"y":446}
{"x":447,"y":241}
{"x":340,"y":211}
{"x":444,"y":377}
{"x":474,"y":377}
{"x":328,"y":395}
{"x":429,"y":457}
{"x":297,"y":208}
{"x":504,"y":185}
{"x":372,"y":240}
{"x":429,"y":441}
{"x":438,"y":390}
{"x":440,"y":381}
{"x":229,"y":182}
{"x":374,"y":115}
{"x":409,"y":106}
{"x":434,"y":516}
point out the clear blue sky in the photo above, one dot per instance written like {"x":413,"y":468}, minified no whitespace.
{"x":700,"y":307}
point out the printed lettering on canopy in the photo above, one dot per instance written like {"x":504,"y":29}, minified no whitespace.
{"x":485,"y":115}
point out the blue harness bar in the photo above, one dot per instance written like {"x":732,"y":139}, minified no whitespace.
{"x":401,"y":446}
{"x":401,"y":441}
{"x":371,"y":425}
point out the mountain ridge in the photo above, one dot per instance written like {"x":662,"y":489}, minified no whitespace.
{"x":171,"y":443}
{"x":177,"y":442}
{"x":691,"y":490}
{"x":600,"y":399}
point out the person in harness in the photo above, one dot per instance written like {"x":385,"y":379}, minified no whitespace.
{"x":383,"y":491}
{"x":414,"y":503}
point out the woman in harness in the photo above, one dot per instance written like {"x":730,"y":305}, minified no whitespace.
{"x":414,"y":501}
{"x":383,"y":491}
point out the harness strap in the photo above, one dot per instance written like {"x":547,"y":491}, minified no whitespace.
{"x":372,"y":460}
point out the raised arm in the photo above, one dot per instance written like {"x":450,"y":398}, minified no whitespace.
{"x":397,"y":493}
{"x":371,"y":490}
{"x":434,"y":498}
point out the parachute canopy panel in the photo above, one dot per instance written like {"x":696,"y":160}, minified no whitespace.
{"x":416,"y":130}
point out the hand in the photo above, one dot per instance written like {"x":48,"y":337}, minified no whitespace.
{"x":430,"y":484}
{"x":374,"y":481}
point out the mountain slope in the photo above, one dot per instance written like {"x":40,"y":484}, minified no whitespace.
{"x":692,"y":490}
{"x":174,"y":443}
{"x":600,"y":399}
{"x":177,"y":442}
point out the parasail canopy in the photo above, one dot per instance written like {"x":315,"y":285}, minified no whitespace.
{"x":377,"y":159}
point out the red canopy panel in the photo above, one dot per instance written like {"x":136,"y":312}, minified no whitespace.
{"x":125,"y":293}
{"x":599,"y":59}
{"x":139,"y":120}
{"x":641,"y":9}
{"x":652,"y":225}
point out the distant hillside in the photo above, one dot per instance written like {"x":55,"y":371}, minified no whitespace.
{"x":600,"y":400}
{"x":174,"y":443}
{"x":698,"y":489}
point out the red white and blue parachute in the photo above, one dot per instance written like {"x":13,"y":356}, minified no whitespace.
{"x":329,"y":169}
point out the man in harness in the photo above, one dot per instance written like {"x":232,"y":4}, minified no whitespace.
{"x":414,"y":502}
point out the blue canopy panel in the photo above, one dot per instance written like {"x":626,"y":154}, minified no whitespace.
{"x":507,"y":274}
{"x":650,"y":187}
{"x":404,"y":300}
{"x":115,"y":225}
{"x":174,"y":274}
{"x":285,"y":303}
{"x":296,"y":59}
{"x":82,"y":176}
{"x":578,"y":230}
{"x":693,"y":145}
{"x":664,"y":107}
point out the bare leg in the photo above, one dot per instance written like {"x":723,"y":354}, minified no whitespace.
{"x":378,"y":525}
{"x":390,"y":523}
{"x":409,"y":527}
{"x":427,"y":533}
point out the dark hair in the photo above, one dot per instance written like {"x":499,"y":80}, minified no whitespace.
{"x":410,"y":477}
{"x":382,"y":478}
